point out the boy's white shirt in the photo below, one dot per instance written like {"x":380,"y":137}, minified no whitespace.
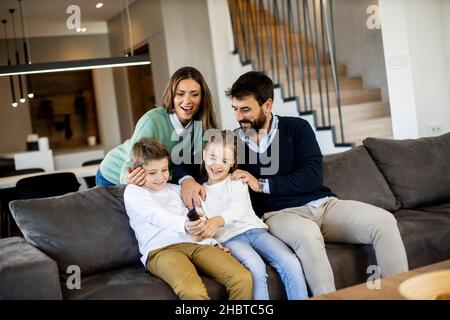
{"x":231,"y":200}
{"x":157,"y":217}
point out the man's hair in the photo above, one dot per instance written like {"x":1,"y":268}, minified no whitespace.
{"x":147,"y":149}
{"x":252,"y":83}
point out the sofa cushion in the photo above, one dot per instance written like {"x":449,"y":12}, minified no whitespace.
{"x":436,"y":208}
{"x":352,"y":175}
{"x":135,"y":283}
{"x":89,"y":229}
{"x":417,"y":170}
{"x":426,"y":236}
{"x":349,"y":263}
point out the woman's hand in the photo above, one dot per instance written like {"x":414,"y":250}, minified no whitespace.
{"x":137,"y":176}
{"x":192,"y":193}
{"x":247,"y":178}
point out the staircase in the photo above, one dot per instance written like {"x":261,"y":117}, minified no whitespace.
{"x":291,"y":41}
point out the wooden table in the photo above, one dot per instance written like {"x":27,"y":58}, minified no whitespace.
{"x":80,"y":172}
{"x":389,"y":286}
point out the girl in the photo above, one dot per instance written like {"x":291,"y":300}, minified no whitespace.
{"x":231,"y":220}
{"x":187,"y":110}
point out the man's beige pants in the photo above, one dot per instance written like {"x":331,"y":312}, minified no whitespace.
{"x":306,"y":228}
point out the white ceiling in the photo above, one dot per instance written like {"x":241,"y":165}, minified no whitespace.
{"x":48,"y":17}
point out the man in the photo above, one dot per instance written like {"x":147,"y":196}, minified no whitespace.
{"x":293,"y":201}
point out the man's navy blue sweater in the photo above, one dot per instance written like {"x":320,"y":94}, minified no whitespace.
{"x":299,"y":178}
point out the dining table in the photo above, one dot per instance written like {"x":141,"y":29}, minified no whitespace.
{"x":80,"y":172}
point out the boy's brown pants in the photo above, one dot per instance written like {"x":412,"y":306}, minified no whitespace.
{"x":176,"y":264}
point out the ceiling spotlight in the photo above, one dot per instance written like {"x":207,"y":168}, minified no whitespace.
{"x":99,"y":5}
{"x":78,"y":29}
{"x":14,"y":104}
{"x":31,"y":95}
{"x":22,"y":100}
{"x":83,"y":29}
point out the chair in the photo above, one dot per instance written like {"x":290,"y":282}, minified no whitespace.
{"x":47,"y":185}
{"x":7,"y":195}
{"x":43,"y":186}
{"x":90,"y":181}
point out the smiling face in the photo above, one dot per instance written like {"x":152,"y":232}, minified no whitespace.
{"x":219,"y":159}
{"x":250,"y":114}
{"x":157,"y":174}
{"x":188,"y":96}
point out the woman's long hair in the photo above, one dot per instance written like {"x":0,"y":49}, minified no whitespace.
{"x":205,"y":113}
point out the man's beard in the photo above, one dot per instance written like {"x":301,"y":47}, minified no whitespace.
{"x":255,"y":125}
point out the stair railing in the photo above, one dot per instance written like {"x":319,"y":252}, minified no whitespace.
{"x":299,"y":35}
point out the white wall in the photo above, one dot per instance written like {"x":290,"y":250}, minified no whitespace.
{"x":188,"y":38}
{"x":360,"y":48}
{"x":147,"y":27}
{"x":107,"y":115}
{"x":417,"y":67}
{"x":446,"y":19}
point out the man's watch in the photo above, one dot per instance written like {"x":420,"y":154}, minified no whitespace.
{"x":262,"y":183}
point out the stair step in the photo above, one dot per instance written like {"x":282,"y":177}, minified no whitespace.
{"x":354,"y":113}
{"x":358,"y":131}
{"x":311,"y":71}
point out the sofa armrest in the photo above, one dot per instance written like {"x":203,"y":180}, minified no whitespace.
{"x":26,"y":272}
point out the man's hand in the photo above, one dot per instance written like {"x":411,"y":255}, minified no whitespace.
{"x":210,"y":227}
{"x":137,"y":176}
{"x":192,"y":193}
{"x":246,"y":177}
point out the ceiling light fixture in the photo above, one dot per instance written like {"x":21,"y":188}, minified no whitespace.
{"x":26,"y":49}
{"x":74,"y":65}
{"x":11,"y":80}
{"x":59,"y":66}
{"x":99,"y":5}
{"x":22,"y":98}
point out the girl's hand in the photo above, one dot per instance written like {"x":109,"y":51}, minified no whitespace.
{"x":210,"y":227}
{"x":247,"y":178}
{"x":194,"y":228}
{"x":192,"y":193}
{"x":227,"y":250}
{"x":136,"y":176}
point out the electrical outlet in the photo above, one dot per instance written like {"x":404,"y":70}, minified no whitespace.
{"x":435,"y":129}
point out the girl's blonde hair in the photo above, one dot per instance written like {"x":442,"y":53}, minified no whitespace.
{"x":205,"y":113}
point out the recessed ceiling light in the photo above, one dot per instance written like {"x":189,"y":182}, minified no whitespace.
{"x":83,"y":29}
{"x":78,"y":29}
{"x":99,"y":5}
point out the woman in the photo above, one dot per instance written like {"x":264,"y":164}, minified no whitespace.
{"x":186,"y":112}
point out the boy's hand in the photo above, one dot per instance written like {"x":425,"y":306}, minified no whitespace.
{"x":247,"y":178}
{"x":136,"y":176}
{"x":192,"y":193}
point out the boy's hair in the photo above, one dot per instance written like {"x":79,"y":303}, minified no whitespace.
{"x":227,"y":138}
{"x":147,"y":149}
{"x":252,"y":83}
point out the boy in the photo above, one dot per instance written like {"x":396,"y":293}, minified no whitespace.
{"x":159,"y":218}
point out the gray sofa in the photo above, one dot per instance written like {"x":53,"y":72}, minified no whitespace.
{"x":89,"y":229}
